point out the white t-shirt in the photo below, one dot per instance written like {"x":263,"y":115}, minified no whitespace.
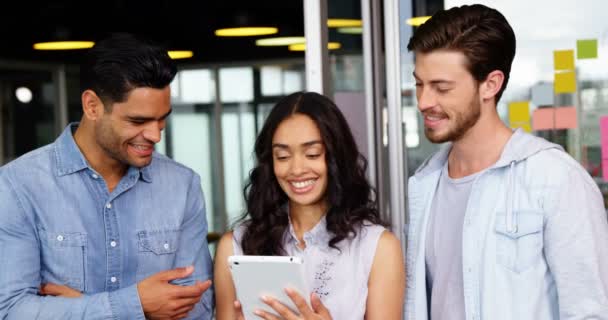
{"x":444,"y":247}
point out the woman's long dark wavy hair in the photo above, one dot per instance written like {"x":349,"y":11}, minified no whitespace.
{"x":350,"y":198}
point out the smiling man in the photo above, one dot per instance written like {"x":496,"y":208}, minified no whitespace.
{"x":503,"y":224}
{"x":97,"y":225}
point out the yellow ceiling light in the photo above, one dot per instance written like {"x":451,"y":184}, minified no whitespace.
{"x":302,"y":46}
{"x":180,"y":54}
{"x":343,"y":23}
{"x":279,"y":41}
{"x":351,"y":30}
{"x":63,"y":45}
{"x":417,"y":21}
{"x":245,"y":31}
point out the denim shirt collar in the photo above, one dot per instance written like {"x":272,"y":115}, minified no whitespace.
{"x":70,"y":159}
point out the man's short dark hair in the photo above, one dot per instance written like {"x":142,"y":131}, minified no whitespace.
{"x":482,"y":34}
{"x":123,"y":62}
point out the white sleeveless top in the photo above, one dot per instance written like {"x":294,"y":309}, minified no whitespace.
{"x":338,"y":278}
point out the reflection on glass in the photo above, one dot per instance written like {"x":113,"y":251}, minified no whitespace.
{"x":271,"y":80}
{"x":236,"y":84}
{"x":191,"y":146}
{"x":410,"y":119}
{"x":281,"y":80}
{"x":238,"y":135}
{"x":293,"y":81}
{"x":188,"y":137}
{"x":347,"y":72}
{"x":193,"y":86}
{"x":161,"y":146}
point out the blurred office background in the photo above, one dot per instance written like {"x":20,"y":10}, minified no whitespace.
{"x":227,"y":84}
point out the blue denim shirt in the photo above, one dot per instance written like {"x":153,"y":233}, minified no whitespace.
{"x":59,"y":224}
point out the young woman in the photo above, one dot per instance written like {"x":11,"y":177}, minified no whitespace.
{"x":308,"y":196}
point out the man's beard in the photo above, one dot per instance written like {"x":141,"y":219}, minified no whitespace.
{"x":462,"y":122}
{"x":109,"y":141}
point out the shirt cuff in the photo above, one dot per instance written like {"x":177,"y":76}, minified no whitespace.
{"x":125,"y":303}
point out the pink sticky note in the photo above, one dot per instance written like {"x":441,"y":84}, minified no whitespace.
{"x":604,"y":142}
{"x":565,"y":118}
{"x":542,"y":119}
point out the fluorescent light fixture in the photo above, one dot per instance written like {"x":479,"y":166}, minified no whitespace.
{"x":417,"y":21}
{"x":341,"y":23}
{"x":245,"y":31}
{"x":63,"y":45}
{"x":180,"y":54}
{"x":302,"y":46}
{"x":279,"y":41}
{"x":351,"y":30}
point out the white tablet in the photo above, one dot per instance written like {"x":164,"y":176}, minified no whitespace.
{"x":254,"y":276}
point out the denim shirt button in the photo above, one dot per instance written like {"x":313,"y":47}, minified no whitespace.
{"x":109,"y":205}
{"x":166,"y":246}
{"x":59,"y":238}
{"x":94,"y":176}
{"x":113,"y":244}
{"x":113,"y":279}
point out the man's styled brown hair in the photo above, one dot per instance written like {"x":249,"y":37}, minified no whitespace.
{"x":482,"y":34}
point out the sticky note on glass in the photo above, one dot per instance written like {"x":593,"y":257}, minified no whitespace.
{"x":565,"y":82}
{"x":604,"y":143}
{"x":543,"y":119}
{"x":586,"y":49}
{"x":565,"y":118}
{"x":563,"y":59}
{"x":542,"y":94}
{"x":519,"y":115}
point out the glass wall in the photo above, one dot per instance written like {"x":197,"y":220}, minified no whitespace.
{"x":217,"y":113}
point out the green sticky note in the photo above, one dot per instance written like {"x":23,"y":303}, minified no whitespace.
{"x":563,"y":59}
{"x":586,"y":49}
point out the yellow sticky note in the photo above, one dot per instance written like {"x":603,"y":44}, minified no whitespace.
{"x":565,"y":82}
{"x":563,"y":59}
{"x":586,"y":49}
{"x":519,"y":115}
{"x":519,"y":112}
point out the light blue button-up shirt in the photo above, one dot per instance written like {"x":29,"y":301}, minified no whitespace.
{"x":59,"y":224}
{"x":534,"y":237}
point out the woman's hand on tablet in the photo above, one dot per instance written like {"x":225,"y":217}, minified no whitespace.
{"x":238,"y":309}
{"x":317,"y":312}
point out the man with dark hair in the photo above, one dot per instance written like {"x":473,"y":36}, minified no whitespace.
{"x":503,"y":224}
{"x":97,"y":225}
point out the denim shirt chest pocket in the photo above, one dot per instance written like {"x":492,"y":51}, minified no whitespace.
{"x":63,"y":258}
{"x":156,"y":251}
{"x":520,"y":248}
